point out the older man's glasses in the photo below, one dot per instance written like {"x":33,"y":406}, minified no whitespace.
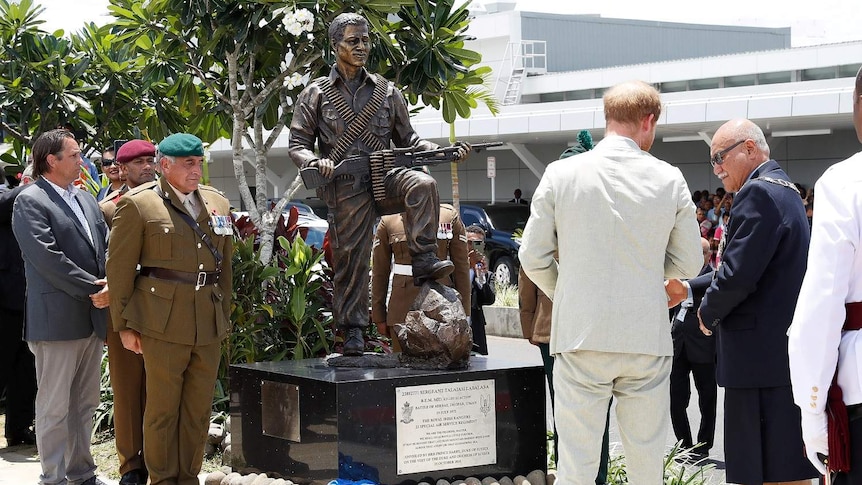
{"x":718,"y":158}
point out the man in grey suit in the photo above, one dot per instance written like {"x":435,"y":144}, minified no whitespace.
{"x":63,"y":240}
{"x":623,"y":222}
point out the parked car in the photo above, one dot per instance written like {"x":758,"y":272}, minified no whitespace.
{"x":500,"y":221}
{"x":317,"y":227}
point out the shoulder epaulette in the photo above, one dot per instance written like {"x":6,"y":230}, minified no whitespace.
{"x":447,"y":213}
{"x":142,"y":187}
{"x":208,"y":188}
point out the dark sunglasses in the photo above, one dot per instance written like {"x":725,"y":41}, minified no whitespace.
{"x":718,"y":158}
{"x":107,"y":162}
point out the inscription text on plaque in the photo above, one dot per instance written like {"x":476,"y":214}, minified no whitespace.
{"x":445,"y":426}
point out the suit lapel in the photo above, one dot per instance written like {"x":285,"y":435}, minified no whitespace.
{"x":90,"y":216}
{"x":61,"y":203}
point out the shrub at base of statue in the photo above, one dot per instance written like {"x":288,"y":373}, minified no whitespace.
{"x":436,"y":333}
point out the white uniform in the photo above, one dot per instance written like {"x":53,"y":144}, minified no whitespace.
{"x":834,"y":277}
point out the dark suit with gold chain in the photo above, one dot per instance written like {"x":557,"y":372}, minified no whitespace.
{"x":181,"y":318}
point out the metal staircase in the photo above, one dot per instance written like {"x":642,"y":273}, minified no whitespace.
{"x":520,"y":60}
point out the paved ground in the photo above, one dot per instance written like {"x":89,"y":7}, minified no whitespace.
{"x":20,"y":465}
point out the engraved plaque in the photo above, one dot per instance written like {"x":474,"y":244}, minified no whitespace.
{"x":445,"y":426}
{"x":279,"y":403}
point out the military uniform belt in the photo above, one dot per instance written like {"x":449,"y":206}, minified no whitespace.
{"x":199,"y":279}
{"x":402,"y":269}
{"x":853,"y":320}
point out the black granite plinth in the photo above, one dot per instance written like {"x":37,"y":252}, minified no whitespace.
{"x":347,"y":423}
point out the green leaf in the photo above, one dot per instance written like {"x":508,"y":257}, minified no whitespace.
{"x":143,"y":42}
{"x":465,"y":55}
{"x":297,"y":303}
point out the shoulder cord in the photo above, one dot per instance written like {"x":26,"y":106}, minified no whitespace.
{"x":207,"y":240}
{"x":783,"y":183}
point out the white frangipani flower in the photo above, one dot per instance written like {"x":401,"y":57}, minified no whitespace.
{"x":293,"y":81}
{"x":298,"y":21}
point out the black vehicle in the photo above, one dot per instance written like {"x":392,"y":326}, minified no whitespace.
{"x":500,"y":222}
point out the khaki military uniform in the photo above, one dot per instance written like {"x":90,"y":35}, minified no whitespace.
{"x":390,"y":243}
{"x":128,"y":380}
{"x":536,"y":310}
{"x":181,"y":325}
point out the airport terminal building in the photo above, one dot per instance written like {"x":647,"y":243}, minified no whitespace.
{"x":550,"y":72}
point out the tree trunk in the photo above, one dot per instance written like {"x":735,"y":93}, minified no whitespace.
{"x":453,"y":168}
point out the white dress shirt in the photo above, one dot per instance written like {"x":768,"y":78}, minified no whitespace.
{"x":69,"y":195}
{"x":834,"y":277}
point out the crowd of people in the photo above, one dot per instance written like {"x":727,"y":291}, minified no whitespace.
{"x":167,"y":308}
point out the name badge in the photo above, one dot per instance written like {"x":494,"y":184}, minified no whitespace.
{"x":222,"y":225}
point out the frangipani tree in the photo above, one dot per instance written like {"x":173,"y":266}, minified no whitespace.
{"x":253,"y":57}
{"x":86,"y":79}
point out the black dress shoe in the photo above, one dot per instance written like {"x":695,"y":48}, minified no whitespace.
{"x":355,"y":343}
{"x":134,"y":477}
{"x":26,"y":437}
{"x":94,"y":480}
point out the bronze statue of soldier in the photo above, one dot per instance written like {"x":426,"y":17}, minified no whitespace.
{"x":353,"y":112}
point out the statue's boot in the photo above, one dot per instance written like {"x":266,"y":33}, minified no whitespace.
{"x":428,"y":267}
{"x":355,"y":343}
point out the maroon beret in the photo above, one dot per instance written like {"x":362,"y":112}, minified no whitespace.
{"x":133,"y":149}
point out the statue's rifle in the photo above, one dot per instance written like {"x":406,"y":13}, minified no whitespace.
{"x":365,"y":168}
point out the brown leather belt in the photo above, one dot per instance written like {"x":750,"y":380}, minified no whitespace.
{"x":198,"y":279}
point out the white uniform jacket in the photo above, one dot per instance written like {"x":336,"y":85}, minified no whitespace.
{"x":834,"y":277}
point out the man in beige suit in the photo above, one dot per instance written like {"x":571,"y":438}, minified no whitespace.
{"x":623,"y":222}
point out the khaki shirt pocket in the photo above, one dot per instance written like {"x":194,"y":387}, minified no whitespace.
{"x":159,"y":240}
{"x":330,"y":125}
{"x":398,"y":243}
{"x":151,"y":303}
{"x":381,"y":123}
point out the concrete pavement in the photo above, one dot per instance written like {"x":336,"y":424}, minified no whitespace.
{"x":19,"y":465}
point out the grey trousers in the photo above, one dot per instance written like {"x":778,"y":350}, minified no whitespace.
{"x":584,"y":382}
{"x":67,"y":373}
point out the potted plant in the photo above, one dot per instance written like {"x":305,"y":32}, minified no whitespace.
{"x":503,"y":317}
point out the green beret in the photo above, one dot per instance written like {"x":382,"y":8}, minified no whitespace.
{"x":181,"y":145}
